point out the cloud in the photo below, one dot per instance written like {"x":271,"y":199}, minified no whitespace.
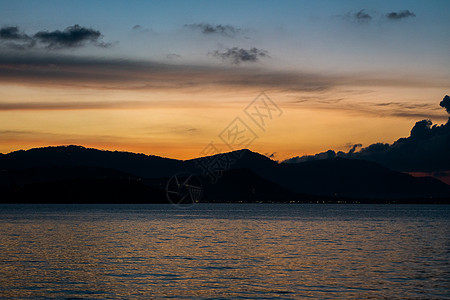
{"x":12,"y":33}
{"x":205,"y":28}
{"x":52,"y":69}
{"x":354,"y":147}
{"x":323,"y":155}
{"x":397,"y":105}
{"x":400,"y":15}
{"x":173,"y":56}
{"x":141,"y":29}
{"x":13,"y":38}
{"x":407,"y":110}
{"x":237,"y":55}
{"x":445,"y":103}
{"x":67,"y":105}
{"x":376,"y":109}
{"x":362,"y":16}
{"x":71,"y":37}
{"x":22,"y":139}
{"x":425,"y":150}
{"x":49,"y":69}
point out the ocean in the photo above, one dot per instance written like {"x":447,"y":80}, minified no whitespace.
{"x":224,"y":251}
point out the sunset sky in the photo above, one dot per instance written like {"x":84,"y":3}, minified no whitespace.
{"x":168,"y":77}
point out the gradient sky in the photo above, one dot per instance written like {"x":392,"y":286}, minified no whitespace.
{"x":167,"y":77}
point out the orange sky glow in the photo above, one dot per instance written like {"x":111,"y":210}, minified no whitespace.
{"x":179,"y":123}
{"x":166,"y":78}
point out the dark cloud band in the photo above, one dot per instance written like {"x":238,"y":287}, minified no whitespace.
{"x":50,"y":69}
{"x":71,"y":37}
{"x":132,"y":74}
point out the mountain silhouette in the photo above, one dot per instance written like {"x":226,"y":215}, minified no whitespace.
{"x":148,"y":166}
{"x":78,"y":174}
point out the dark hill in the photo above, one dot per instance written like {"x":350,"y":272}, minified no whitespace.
{"x":357,"y":178}
{"x":249,"y":176}
{"x":148,"y":166}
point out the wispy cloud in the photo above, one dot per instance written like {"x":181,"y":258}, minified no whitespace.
{"x":377,"y":109}
{"x":362,"y":16}
{"x":69,"y":105}
{"x":237,"y":55}
{"x":400,"y":15}
{"x":141,"y":29}
{"x":173,"y":56}
{"x":46,"y":138}
{"x":209,"y":29}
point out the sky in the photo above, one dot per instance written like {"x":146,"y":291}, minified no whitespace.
{"x":172,"y":78}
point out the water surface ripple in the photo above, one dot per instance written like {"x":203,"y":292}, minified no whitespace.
{"x":224,"y":251}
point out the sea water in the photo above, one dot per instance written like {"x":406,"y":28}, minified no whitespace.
{"x":224,"y":251}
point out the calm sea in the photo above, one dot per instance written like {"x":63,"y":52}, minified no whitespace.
{"x":224,"y":251}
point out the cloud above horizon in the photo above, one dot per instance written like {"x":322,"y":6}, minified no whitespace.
{"x":105,"y":73}
{"x":425,"y":150}
{"x":375,"y":109}
{"x":52,"y":70}
{"x":400,"y":15}
{"x":209,"y":29}
{"x":362,"y":16}
{"x":445,"y":103}
{"x":237,"y":55}
{"x":71,"y":37}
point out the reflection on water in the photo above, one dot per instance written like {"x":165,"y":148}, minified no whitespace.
{"x":224,"y":251}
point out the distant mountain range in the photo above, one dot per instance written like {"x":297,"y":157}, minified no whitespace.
{"x":76,"y":174}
